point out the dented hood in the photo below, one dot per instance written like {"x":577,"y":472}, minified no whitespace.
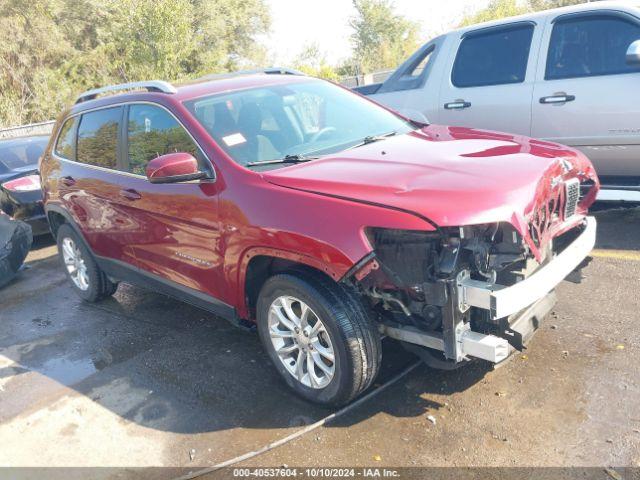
{"x":453,"y":176}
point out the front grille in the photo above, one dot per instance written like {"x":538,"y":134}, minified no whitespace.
{"x":550,"y":212}
{"x":572,"y":195}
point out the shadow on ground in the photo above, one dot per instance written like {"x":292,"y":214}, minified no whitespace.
{"x":168,"y":366}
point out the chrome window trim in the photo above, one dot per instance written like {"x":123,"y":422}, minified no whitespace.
{"x":121,"y":172}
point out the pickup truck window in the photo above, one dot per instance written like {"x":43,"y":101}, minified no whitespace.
{"x":493,"y":56}
{"x":590,"y":46}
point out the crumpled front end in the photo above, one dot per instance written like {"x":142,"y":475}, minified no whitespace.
{"x":480,"y":291}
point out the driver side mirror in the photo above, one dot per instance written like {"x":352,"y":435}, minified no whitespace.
{"x":633,"y":53}
{"x":174,"y":167}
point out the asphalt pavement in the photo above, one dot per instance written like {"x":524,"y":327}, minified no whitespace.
{"x":144,"y":380}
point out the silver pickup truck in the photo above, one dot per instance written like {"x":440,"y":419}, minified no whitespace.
{"x":570,"y":75}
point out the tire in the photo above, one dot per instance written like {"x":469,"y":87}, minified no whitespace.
{"x":15,"y":243}
{"x":92,"y":285}
{"x":346,"y":330}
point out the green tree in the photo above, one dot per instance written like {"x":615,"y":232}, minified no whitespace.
{"x":312,"y":61}
{"x":495,"y":10}
{"x":381,"y":38}
{"x":498,"y":9}
{"x":537,"y":5}
{"x":50,"y":50}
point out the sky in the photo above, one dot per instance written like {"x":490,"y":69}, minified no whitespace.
{"x":297,"y":23}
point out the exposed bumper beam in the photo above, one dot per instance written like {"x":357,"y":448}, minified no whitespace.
{"x":502,"y":301}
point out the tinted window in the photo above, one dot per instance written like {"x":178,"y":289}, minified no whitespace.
{"x":66,"y":139}
{"x":98,"y":137}
{"x":419,"y":65}
{"x":494,"y":57}
{"x":584,"y":47}
{"x":22,"y":152}
{"x":153,"y":132}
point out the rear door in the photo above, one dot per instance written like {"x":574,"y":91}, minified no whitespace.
{"x":174,"y":227}
{"x":586,"y":95}
{"x":490,"y":81}
{"x":91,"y":184}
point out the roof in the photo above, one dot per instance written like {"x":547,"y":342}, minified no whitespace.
{"x":208,"y":85}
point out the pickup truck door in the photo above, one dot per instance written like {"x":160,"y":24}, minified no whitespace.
{"x":490,"y":78}
{"x":585,"y":94}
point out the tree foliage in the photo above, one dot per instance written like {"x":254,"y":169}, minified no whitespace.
{"x":312,"y":61}
{"x":50,"y":50}
{"x":495,"y":10}
{"x":381,"y":38}
{"x":498,"y":9}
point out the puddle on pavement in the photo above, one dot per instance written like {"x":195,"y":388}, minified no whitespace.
{"x":67,"y":372}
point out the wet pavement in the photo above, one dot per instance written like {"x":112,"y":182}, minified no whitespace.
{"x":142,"y":379}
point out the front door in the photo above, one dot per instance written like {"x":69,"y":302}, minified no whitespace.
{"x":490,"y":83}
{"x":586,"y":95}
{"x":176,"y":233}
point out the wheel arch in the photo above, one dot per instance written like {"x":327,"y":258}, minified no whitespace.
{"x":57,"y":216}
{"x":259,"y":264}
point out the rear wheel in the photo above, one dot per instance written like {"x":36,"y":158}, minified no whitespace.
{"x":319,"y":337}
{"x":88,"y":281}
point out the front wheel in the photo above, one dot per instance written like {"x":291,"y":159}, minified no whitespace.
{"x":319,"y":337}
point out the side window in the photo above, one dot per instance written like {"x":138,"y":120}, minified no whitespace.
{"x":152,"y":131}
{"x":98,"y":137}
{"x":419,"y":65}
{"x":67,"y":139}
{"x":493,"y":57}
{"x":590,"y":46}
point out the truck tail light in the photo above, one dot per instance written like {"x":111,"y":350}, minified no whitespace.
{"x":29,"y":183}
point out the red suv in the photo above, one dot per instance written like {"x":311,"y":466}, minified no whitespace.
{"x":322,"y":217}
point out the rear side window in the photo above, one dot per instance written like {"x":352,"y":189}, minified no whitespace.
{"x":98,"y":137}
{"x":152,"y":131}
{"x":590,"y":46}
{"x":420,"y":64}
{"x":493,"y":57}
{"x":67,"y":139}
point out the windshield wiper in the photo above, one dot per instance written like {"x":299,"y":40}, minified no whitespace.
{"x":286,"y":159}
{"x":374,"y":138}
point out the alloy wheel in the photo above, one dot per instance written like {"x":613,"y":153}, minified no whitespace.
{"x":75,"y":264}
{"x":301,"y":342}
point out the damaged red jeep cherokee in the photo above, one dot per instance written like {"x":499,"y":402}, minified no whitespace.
{"x":325,"y":219}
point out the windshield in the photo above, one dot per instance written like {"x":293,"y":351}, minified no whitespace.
{"x":22,"y":152}
{"x":299,"y":119}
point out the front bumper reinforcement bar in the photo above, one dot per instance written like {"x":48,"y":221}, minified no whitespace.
{"x":502,"y":301}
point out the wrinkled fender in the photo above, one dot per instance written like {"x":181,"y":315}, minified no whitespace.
{"x":335,"y":268}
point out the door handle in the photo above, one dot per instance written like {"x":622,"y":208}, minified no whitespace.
{"x":457,"y":105}
{"x":560,"y":98}
{"x":130,"y":194}
{"x":68,"y":181}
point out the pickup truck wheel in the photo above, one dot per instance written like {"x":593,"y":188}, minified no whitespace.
{"x":88,"y":281}
{"x":319,"y":337}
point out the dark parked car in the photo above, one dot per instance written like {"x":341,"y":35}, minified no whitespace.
{"x":15,"y":242}
{"x":20,"y":192}
{"x":324,"y":218}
